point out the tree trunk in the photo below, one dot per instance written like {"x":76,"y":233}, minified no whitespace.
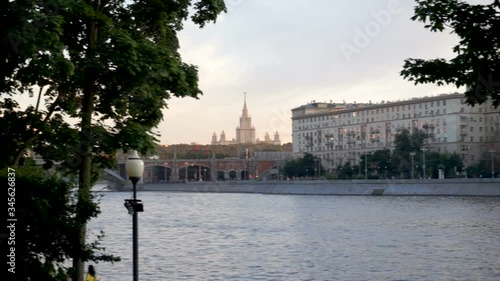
{"x":85,"y":147}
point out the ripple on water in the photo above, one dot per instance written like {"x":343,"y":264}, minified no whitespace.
{"x":188,"y":236}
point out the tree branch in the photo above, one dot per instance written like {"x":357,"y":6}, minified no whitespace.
{"x":28,"y":143}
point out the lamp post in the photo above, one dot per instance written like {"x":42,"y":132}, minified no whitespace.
{"x":412,"y":166}
{"x":135,"y":168}
{"x":186,"y":172}
{"x":492,"y":163}
{"x":278,"y":174}
{"x":199,"y":173}
{"x":315,"y":167}
{"x":424,"y":149}
{"x":319,"y":168}
{"x":366,"y":166}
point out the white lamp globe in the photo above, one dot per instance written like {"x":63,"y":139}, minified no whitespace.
{"x":134,"y":165}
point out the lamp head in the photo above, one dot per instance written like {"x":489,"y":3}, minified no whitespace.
{"x":134,"y":165}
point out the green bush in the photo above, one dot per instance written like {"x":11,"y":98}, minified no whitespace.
{"x":48,"y":221}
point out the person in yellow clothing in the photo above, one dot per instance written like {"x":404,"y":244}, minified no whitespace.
{"x":91,"y":275}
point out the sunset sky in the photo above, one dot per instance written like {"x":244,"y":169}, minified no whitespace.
{"x":286,"y":53}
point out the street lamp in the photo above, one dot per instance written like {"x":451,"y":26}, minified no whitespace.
{"x":319,"y":168}
{"x":412,"y":166}
{"x":135,"y":168}
{"x":315,"y":167}
{"x":366,"y":165}
{"x":424,"y":149}
{"x":492,"y":163}
{"x":155,"y":168}
{"x":186,"y":172}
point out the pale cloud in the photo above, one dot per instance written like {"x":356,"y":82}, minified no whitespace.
{"x":285,"y":53}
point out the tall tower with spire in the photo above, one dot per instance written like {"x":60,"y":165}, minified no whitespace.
{"x":245,"y":133}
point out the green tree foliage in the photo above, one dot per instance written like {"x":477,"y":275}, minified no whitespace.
{"x":378,"y":164}
{"x":46,"y":228}
{"x":406,"y":143}
{"x":345,"y":172}
{"x":107,"y":65}
{"x":304,"y":167}
{"x":450,"y":162}
{"x":101,"y":62}
{"x":483,"y":167}
{"x":477,"y":60}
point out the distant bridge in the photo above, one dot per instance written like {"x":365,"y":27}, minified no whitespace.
{"x":188,"y":170}
{"x":182,"y":170}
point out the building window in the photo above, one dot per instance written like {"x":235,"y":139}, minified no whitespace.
{"x":444,"y":111}
{"x":481,"y":139}
{"x":471,"y":129}
{"x":444,"y":103}
{"x":472,"y":139}
{"x":480,"y":129}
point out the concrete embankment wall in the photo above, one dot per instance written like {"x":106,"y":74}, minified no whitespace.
{"x":446,"y":187}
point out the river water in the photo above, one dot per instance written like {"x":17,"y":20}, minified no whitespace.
{"x":200,"y":236}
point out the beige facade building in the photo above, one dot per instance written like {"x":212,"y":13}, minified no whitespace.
{"x":340,"y":133}
{"x":245,"y":132}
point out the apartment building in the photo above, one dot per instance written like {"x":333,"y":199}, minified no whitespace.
{"x":341,"y":132}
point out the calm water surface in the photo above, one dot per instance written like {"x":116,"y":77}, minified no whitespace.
{"x":196,"y":236}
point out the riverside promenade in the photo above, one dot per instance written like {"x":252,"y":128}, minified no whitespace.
{"x":417,"y":187}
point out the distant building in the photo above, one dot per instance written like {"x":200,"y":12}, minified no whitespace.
{"x":340,"y":132}
{"x":245,"y":132}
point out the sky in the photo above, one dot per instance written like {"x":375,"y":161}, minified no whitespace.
{"x":286,"y":53}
